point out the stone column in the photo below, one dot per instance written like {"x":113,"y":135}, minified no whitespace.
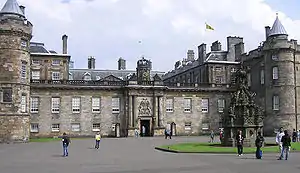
{"x":158,"y":112}
{"x":130,"y":119}
{"x":134,"y":117}
{"x":154,"y":109}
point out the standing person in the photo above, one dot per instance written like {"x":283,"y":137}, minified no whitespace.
{"x":212,"y":136}
{"x":299,"y":136}
{"x":221,"y":135}
{"x":239,"y":142}
{"x":278,"y":139}
{"x":136,"y":133}
{"x":286,"y":145}
{"x":294,"y":136}
{"x":97,"y":138}
{"x":143,"y":131}
{"x":66,"y":141}
{"x":259,"y":143}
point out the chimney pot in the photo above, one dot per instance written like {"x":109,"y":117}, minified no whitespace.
{"x":65,"y":44}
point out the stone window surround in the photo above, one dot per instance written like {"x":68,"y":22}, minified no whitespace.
{"x":34,"y":104}
{"x":23,"y":69}
{"x":205,"y":105}
{"x":76,"y":101}
{"x":55,"y":75}
{"x":188,"y":126}
{"x":55,"y":104}
{"x":221,"y":105}
{"x":6,"y":95}
{"x":96,"y":104}
{"x":75,"y":127}
{"x":96,"y":127}
{"x":169,"y":105}
{"x":55,"y":127}
{"x":115,"y":105}
{"x":35,"y":74}
{"x":56,"y":62}
{"x":23,"y":103}
{"x":262,"y":76}
{"x":275,"y":102}
{"x":275,"y":72}
{"x":187,"y":104}
{"x":35,"y":62}
{"x":24,"y":43}
{"x":34,"y":127}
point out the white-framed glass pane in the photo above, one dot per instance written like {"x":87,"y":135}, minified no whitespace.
{"x":35,"y":75}
{"x":75,"y":127}
{"x":34,"y":127}
{"x":23,"y":103}
{"x":188,"y":126}
{"x":96,"y":127}
{"x":169,"y":105}
{"x":35,"y":62}
{"x":55,"y":75}
{"x":221,"y":105}
{"x":56,"y":62}
{"x":55,"y":104}
{"x":55,"y":127}
{"x":23,"y":70}
{"x":219,"y":79}
{"x":276,"y":102}
{"x":204,"y":105}
{"x":96,"y":105}
{"x":115,"y":105}
{"x":187,"y":105}
{"x":34,"y":105}
{"x":275,"y":73}
{"x":76,"y":105}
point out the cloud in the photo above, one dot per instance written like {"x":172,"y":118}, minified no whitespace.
{"x":112,"y":28}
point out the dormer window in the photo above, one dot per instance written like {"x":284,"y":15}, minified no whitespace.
{"x":87,"y":76}
{"x":56,"y":62}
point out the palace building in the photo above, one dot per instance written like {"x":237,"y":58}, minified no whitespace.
{"x":43,"y":95}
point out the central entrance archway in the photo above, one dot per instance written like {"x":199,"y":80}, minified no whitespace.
{"x":145,"y":127}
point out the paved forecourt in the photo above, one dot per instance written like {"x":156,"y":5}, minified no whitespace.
{"x":130,"y":155}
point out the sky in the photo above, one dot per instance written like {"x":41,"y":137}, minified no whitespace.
{"x":160,"y":30}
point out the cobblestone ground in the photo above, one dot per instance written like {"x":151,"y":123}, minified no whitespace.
{"x":130,"y":155}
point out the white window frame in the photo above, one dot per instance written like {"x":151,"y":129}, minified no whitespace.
{"x":55,"y":104}
{"x":34,"y":127}
{"x":55,"y":127}
{"x":218,"y":69}
{"x":23,"y":103}
{"x":221,"y":105}
{"x":23,"y":70}
{"x":219,"y":79}
{"x":56,"y":62}
{"x":169,"y":105}
{"x":75,"y":127}
{"x":96,"y":104}
{"x":275,"y":73}
{"x":76,"y":101}
{"x":205,"y":105}
{"x":35,"y":75}
{"x":55,"y":75}
{"x":275,"y":102}
{"x":34,"y":104}
{"x":115,"y":104}
{"x":262,"y":76}
{"x":35,"y":62}
{"x":187,"y":126}
{"x":187,"y":105}
{"x":96,"y":127}
{"x":24,"y":43}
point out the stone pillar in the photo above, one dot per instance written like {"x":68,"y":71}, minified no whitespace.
{"x":134,"y":117}
{"x":130,"y":119}
{"x":158,"y":112}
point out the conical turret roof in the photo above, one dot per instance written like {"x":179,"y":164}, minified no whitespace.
{"x":12,"y":7}
{"x":277,"y":28}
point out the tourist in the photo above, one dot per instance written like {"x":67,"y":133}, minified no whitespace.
{"x":136,"y":132}
{"x":143,"y":131}
{"x":259,"y":143}
{"x":212,"y":136}
{"x":66,"y":141}
{"x":286,"y":145}
{"x":294,"y":136}
{"x":299,"y":136}
{"x":97,"y":138}
{"x":221,"y":135}
{"x":239,"y":143}
{"x":278,"y":139}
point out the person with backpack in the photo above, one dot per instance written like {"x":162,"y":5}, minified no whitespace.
{"x":286,"y":145}
{"x":259,"y":143}
{"x":66,"y":141}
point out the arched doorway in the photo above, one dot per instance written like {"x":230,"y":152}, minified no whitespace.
{"x":117,"y":130}
{"x":173,"y":129}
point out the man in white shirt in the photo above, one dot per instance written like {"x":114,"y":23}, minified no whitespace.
{"x":278,"y":138}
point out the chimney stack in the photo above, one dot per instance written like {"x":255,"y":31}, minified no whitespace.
{"x":121,"y":64}
{"x":190,"y":55}
{"x":91,"y":62}
{"x":22,"y":9}
{"x":267,"y":30}
{"x":65,"y":44}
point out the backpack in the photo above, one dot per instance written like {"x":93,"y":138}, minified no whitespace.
{"x":260,"y":141}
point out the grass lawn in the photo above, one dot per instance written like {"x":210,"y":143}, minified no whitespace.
{"x":217,"y":148}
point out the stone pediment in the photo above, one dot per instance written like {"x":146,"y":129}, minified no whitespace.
{"x":111,"y":78}
{"x":157,"y":78}
{"x":133,"y":77}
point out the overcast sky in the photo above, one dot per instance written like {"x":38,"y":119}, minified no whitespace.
{"x":109,"y":29}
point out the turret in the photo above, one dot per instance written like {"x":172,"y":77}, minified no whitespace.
{"x":143,"y":70}
{"x":15,"y":36}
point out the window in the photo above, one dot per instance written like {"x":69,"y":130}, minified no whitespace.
{"x":188,"y":126}
{"x":221,"y":105}
{"x":218,"y":69}
{"x":55,"y":105}
{"x":76,"y":105}
{"x":56,"y":62}
{"x":75,"y":127}
{"x":205,"y":126}
{"x":219,"y":79}
{"x":55,"y":75}
{"x":34,"y":127}
{"x":34,"y":105}
{"x":275,"y":73}
{"x":70,"y":76}
{"x":35,"y":62}
{"x":115,"y":105}
{"x":96,"y":127}
{"x":204,"y":105}
{"x":262,"y":76}
{"x":274,"y":57}
{"x":55,"y":127}
{"x":23,"y":43}
{"x":35,"y":75}
{"x":275,"y":102}
{"x":6,"y":95}
{"x":23,"y":103}
{"x":169,"y":105}
{"x":23,"y":70}
{"x":96,"y":105}
{"x":232,"y":70}
{"x":187,"y":105}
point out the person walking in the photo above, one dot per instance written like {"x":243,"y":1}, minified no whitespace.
{"x":136,"y":133}
{"x":239,"y":142}
{"x":294,"y":136}
{"x":259,"y":143}
{"x":212,"y":136}
{"x":97,"y":138}
{"x":65,"y":141}
{"x":286,"y":145}
{"x":278,"y":139}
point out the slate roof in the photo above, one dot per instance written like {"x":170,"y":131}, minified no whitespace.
{"x":277,"y":28}
{"x":12,"y":7}
{"x":38,"y":48}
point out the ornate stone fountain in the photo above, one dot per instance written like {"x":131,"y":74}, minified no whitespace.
{"x":243,"y":114}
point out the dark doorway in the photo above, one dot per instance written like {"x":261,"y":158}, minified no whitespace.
{"x":173,"y":129}
{"x":146,"y":125}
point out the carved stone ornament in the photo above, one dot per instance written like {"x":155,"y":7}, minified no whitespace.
{"x":144,"y":107}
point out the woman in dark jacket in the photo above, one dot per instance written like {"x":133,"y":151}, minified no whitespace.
{"x":239,"y":142}
{"x":286,"y":145}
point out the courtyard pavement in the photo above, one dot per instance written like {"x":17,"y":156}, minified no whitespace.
{"x":131,"y":155}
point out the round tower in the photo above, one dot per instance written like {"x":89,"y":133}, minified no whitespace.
{"x":15,"y":36}
{"x":143,"y":70}
{"x":280,"y":91}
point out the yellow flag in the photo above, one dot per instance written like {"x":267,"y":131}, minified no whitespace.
{"x":209,"y":27}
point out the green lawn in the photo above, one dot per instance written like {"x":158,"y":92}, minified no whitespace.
{"x":217,"y":148}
